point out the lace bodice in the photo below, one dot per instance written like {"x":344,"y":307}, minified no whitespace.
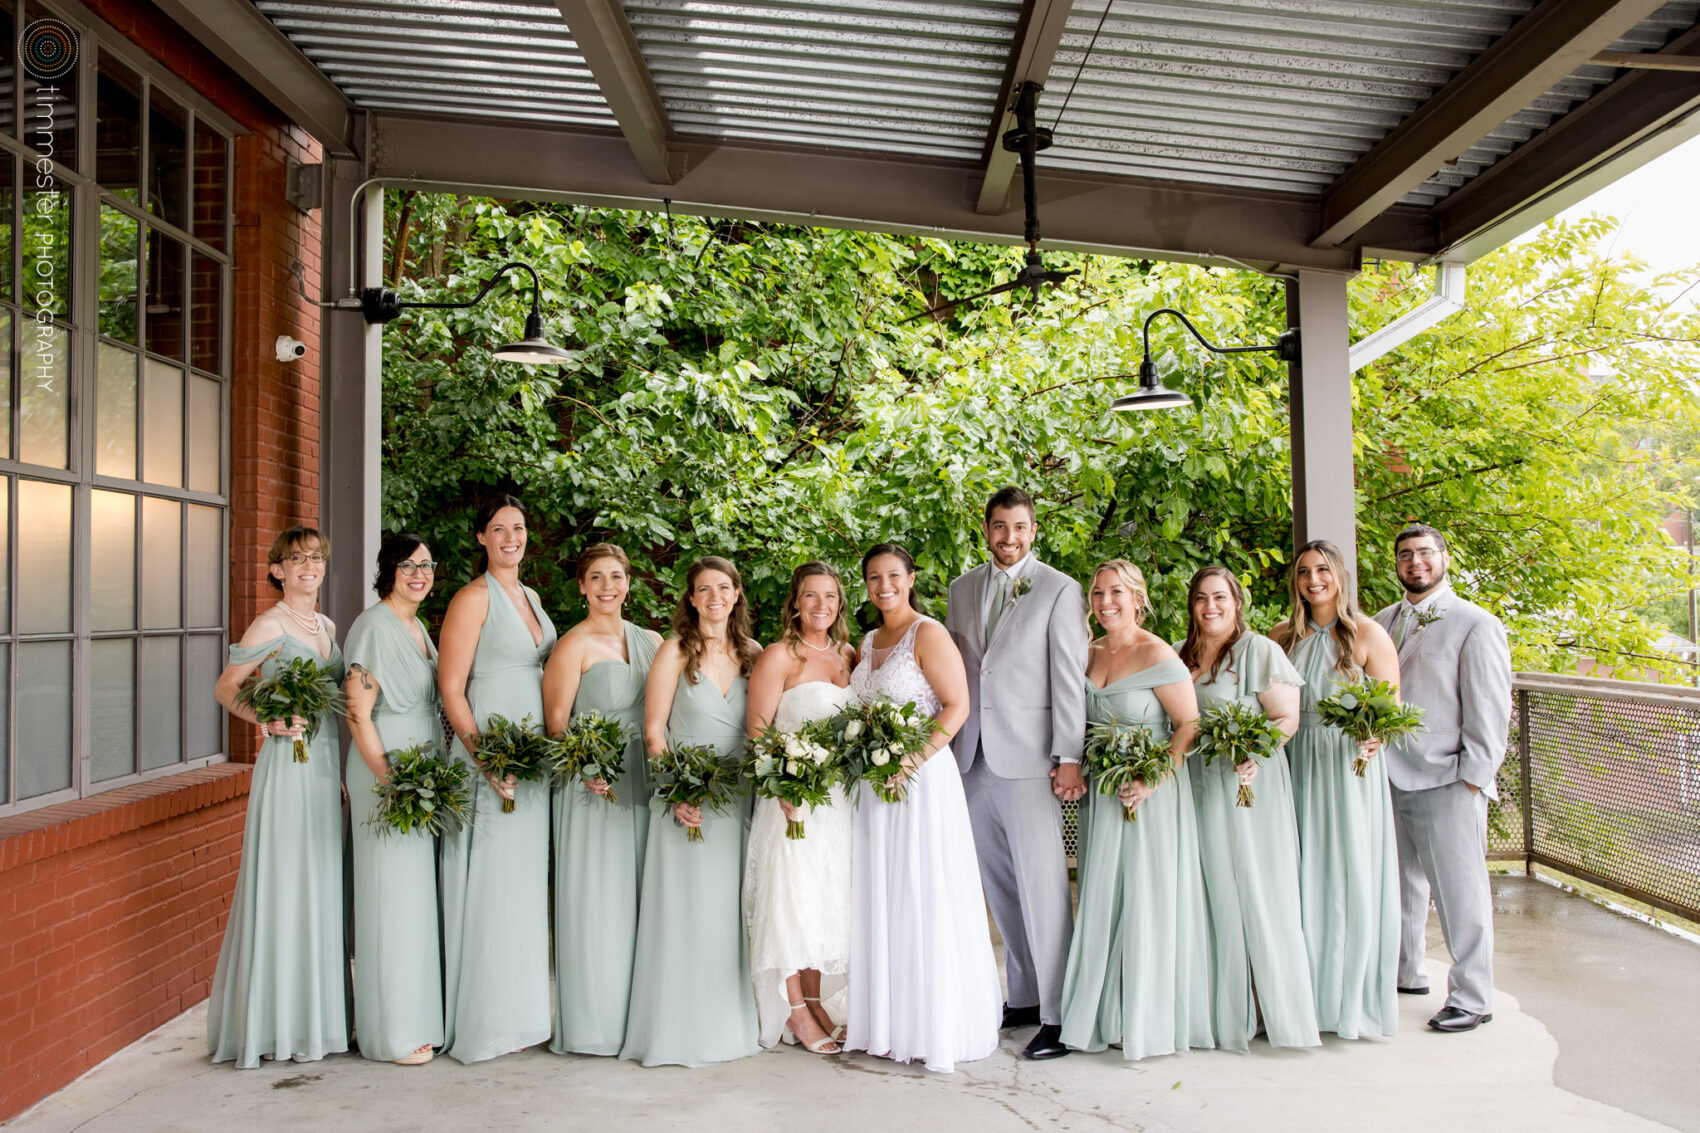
{"x":898,"y":676}
{"x":810,"y":701}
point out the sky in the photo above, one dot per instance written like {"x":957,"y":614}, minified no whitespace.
{"x":1657,"y":205}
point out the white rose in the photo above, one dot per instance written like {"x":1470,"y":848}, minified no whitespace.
{"x":793,"y":747}
{"x":880,"y":758}
{"x":852,"y":729}
{"x":791,"y":768}
{"x":818,"y":754}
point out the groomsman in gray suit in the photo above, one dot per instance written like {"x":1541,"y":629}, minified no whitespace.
{"x":1454,"y":663}
{"x":1021,"y":627}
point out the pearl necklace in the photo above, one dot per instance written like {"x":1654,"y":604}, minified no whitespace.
{"x":312,"y":625}
{"x":817,"y":648}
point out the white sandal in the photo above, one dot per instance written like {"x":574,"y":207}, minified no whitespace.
{"x":819,"y":1046}
{"x":838,"y":1031}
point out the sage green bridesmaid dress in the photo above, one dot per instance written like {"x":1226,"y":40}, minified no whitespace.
{"x":692,"y":1001}
{"x":599,"y":848}
{"x":1348,"y":861}
{"x":1139,"y":965}
{"x":1251,"y":871}
{"x":495,"y":872}
{"x":280,"y":988}
{"x":398,"y":969}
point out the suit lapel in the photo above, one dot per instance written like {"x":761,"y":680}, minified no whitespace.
{"x":1414,"y":640}
{"x":1010,"y":609}
{"x":982,"y":575}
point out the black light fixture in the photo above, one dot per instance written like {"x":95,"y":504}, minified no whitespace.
{"x":1153,"y":395}
{"x":382,"y":304}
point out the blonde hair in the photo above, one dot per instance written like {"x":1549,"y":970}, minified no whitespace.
{"x":691,"y":642}
{"x":1131,"y":577}
{"x":791,"y":618}
{"x":1298,"y":625}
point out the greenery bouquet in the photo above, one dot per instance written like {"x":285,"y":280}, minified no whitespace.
{"x":1115,"y":757}
{"x":874,"y":738}
{"x":1238,"y":733}
{"x":695,"y":775}
{"x":592,"y":747}
{"x":798,"y":767}
{"x":1369,"y":709}
{"x":426,"y":792}
{"x":301,"y":687}
{"x":520,"y":750}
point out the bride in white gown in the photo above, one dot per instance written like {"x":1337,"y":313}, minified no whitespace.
{"x":923,"y":983}
{"x":797,"y":891}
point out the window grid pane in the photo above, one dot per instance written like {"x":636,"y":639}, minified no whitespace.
{"x":44,"y":557}
{"x":115,"y":413}
{"x":162,"y":424}
{"x":112,"y":555}
{"x":112,"y":709}
{"x":161,"y":702}
{"x":44,"y":718}
{"x":162,"y":564}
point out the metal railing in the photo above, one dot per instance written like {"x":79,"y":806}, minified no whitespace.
{"x":1602,"y":781}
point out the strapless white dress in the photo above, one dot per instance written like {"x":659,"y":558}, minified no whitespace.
{"x":797,"y":891}
{"x":923,"y":981}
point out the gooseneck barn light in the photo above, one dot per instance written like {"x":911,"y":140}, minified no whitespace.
{"x":1153,"y":395}
{"x":382,"y":304}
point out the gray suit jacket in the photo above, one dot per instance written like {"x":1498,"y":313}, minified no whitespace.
{"x":1458,"y":671}
{"x":1027,"y":685}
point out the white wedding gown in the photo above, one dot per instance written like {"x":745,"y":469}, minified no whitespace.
{"x":923,"y":981}
{"x":797,"y":891}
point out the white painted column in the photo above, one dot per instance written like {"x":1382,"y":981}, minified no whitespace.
{"x":1320,"y":404}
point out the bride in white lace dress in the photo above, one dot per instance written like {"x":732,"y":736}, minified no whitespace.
{"x":797,"y":891}
{"x":923,"y":983}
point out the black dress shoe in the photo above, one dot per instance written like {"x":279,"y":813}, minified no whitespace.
{"x":1019,"y":1017}
{"x":1455,"y":1019}
{"x":1413,"y":991}
{"x":1047,"y":1043}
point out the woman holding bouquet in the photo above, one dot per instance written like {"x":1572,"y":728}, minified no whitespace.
{"x":495,"y":872}
{"x":600,"y":665}
{"x":691,"y":1001}
{"x":1139,"y":964}
{"x":797,"y":891}
{"x":392,"y":704}
{"x":1250,"y":853}
{"x":923,"y":981}
{"x":279,"y":990}
{"x":1349,"y":863}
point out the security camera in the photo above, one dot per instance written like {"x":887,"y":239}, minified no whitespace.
{"x":289,"y":349}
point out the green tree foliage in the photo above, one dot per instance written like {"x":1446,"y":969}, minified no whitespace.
{"x":753,"y":391}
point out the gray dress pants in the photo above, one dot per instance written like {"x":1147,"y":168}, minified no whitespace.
{"x":1442,"y":839}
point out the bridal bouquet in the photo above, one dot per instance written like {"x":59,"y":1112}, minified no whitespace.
{"x":505,"y":748}
{"x":592,"y":747}
{"x":1238,"y":733}
{"x":426,"y":792}
{"x":1117,"y":756}
{"x":874,"y":738}
{"x":695,"y":775}
{"x":1369,"y":709}
{"x":794,"y":767}
{"x":301,"y":687}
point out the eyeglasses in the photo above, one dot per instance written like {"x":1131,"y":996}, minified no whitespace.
{"x":408,"y":566}
{"x":1426,"y":554}
{"x":299,"y":559}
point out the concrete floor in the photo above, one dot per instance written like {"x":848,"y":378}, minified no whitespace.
{"x":1594,"y":1029}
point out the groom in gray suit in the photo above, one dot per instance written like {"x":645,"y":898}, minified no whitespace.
{"x":1021,"y":627}
{"x":1455,"y":664}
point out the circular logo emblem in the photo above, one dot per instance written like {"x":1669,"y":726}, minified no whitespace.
{"x":47,"y":49}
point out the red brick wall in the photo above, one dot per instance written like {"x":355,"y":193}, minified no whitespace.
{"x":114,"y":909}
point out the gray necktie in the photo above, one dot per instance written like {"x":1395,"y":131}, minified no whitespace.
{"x":1405,"y":619}
{"x":1000,"y":599}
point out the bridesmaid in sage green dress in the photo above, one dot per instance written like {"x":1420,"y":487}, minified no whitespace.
{"x":1250,"y":854}
{"x":600,"y":665}
{"x":495,"y":873}
{"x":1348,"y":860}
{"x":1139,"y":964}
{"x":392,"y":704}
{"x":280,"y":988}
{"x":692,"y":1002}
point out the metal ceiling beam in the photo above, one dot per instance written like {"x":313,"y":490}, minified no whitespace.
{"x":236,"y":32}
{"x":610,"y":48}
{"x":1539,"y":50}
{"x":867,"y":191}
{"x":1641,"y":115}
{"x":1036,"y":38}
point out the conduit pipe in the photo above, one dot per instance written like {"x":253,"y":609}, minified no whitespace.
{"x":1449,"y":288}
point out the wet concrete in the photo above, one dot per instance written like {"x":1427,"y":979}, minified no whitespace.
{"x":1606,"y":1001}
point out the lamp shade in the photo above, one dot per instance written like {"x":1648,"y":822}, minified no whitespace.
{"x":1156,"y":397}
{"x":532,"y":352}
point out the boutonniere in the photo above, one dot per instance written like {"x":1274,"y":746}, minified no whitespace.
{"x":1021,"y":586}
{"x":1426,"y":618}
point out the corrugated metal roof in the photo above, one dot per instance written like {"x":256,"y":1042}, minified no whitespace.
{"x":484,"y":58}
{"x":1283,"y":94}
{"x":906,"y":76}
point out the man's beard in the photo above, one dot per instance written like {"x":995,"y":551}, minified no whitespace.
{"x":1411,"y":588}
